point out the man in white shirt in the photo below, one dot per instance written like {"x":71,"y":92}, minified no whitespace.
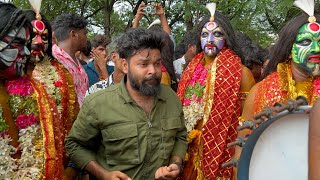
{"x":190,"y":42}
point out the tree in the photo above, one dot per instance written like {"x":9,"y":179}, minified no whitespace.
{"x":261,"y":20}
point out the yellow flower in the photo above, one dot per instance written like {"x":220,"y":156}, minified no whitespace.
{"x":192,"y":135}
{"x":186,"y":158}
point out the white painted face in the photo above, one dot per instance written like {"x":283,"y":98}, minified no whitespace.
{"x":14,"y":52}
{"x":212,"y":39}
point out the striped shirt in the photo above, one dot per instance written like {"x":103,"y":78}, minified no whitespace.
{"x":100,"y":85}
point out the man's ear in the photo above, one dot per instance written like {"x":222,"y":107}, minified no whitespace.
{"x":191,"y":47}
{"x":125,"y":66}
{"x":73,"y":34}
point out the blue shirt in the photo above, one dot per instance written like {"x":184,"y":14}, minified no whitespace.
{"x":93,"y":74}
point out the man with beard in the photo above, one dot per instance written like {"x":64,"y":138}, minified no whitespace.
{"x":134,"y":129}
{"x":211,"y":89}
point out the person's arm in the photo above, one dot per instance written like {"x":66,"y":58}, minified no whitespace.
{"x":314,"y":142}
{"x":247,"y":82}
{"x":163,"y":19}
{"x":247,"y":114}
{"x":140,"y":13}
{"x":82,"y":133}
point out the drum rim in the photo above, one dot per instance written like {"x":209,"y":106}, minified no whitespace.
{"x":247,"y":150}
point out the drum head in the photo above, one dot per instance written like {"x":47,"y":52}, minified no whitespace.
{"x":277,"y":150}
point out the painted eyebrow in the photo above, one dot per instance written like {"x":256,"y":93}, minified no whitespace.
{"x":304,"y":35}
{"x":205,"y":29}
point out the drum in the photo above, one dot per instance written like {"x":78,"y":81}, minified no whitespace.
{"x":277,"y":149}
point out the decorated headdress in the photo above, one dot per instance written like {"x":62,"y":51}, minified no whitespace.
{"x":38,"y":24}
{"x":212,"y":8}
{"x":157,"y":21}
{"x":308,"y":7}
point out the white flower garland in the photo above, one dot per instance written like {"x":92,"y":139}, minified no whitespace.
{"x":30,"y":166}
{"x":193,"y":113}
{"x":45,"y":73}
{"x":7,"y":163}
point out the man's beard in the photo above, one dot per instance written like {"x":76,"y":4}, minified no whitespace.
{"x":144,"y":88}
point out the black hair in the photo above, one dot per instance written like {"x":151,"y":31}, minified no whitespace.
{"x":135,"y":39}
{"x":65,"y":23}
{"x":31,"y":15}
{"x":88,"y":49}
{"x":252,"y":53}
{"x":11,"y":18}
{"x":226,"y":27}
{"x":167,"y":54}
{"x":287,"y":36}
{"x":190,"y":38}
{"x":100,"y":40}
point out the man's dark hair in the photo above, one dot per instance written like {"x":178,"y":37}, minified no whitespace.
{"x":167,"y":55}
{"x":227,"y":29}
{"x":287,"y":36}
{"x":100,"y":40}
{"x":31,"y":15}
{"x":65,"y":23}
{"x":190,"y":38}
{"x":11,"y":18}
{"x":136,"y":39}
{"x":88,"y":49}
{"x":252,"y":53}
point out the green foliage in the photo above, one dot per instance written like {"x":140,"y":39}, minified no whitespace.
{"x":261,"y":20}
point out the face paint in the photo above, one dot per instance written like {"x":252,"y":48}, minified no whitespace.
{"x":212,"y":39}
{"x":14,"y":52}
{"x":306,"y":49}
{"x":39,"y":43}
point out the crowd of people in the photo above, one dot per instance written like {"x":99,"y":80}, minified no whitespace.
{"x":138,"y":106}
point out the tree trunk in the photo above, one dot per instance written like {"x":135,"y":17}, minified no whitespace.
{"x":188,"y":16}
{"x":108,"y":10}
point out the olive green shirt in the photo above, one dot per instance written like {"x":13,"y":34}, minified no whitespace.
{"x":114,"y":131}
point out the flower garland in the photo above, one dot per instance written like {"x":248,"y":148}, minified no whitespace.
{"x":46,"y":74}
{"x":25,"y":112}
{"x":193,"y":105}
{"x":43,"y":108}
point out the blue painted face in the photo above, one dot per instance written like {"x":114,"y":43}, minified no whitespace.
{"x":212,"y":39}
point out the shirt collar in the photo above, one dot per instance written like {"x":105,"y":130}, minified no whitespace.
{"x":91,"y":66}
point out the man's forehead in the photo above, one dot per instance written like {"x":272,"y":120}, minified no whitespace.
{"x":144,"y":54}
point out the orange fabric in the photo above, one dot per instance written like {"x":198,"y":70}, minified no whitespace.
{"x":46,"y":119}
{"x":220,"y":127}
{"x":277,"y":88}
{"x":268,"y":93}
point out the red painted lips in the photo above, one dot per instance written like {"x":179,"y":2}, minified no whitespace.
{"x":314,"y":58}
{"x":210,"y":46}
